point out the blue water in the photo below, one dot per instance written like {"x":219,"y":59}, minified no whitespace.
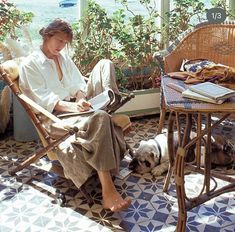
{"x":47,"y":10}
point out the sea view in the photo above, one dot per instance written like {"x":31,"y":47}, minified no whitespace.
{"x":46,"y":10}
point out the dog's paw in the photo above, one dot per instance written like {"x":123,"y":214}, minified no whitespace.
{"x":156,"y":171}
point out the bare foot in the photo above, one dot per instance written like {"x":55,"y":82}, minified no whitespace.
{"x":115,"y":202}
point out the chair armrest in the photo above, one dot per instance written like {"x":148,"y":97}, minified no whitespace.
{"x":159,"y":58}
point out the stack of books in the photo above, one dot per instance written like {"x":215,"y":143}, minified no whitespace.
{"x":208,"y":92}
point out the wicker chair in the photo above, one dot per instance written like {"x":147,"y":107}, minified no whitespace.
{"x":215,"y":42}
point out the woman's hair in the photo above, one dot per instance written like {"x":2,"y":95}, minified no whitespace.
{"x":56,"y":26}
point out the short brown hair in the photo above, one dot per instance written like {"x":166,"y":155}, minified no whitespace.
{"x":56,"y":26}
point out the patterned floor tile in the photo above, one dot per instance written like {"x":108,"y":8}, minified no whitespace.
{"x":28,"y":201}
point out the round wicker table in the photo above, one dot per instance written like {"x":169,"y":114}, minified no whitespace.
{"x":194,"y":112}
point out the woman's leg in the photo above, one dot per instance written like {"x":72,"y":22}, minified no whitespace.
{"x":101,"y":78}
{"x":111,"y":197}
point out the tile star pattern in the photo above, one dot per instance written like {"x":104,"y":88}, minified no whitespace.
{"x":28,"y":200}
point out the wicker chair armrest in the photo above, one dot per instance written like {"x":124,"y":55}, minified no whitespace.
{"x":159,"y":58}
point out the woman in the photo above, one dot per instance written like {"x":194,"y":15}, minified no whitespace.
{"x":51,"y":79}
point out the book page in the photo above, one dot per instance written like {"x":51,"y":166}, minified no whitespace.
{"x":99,"y":102}
{"x":102,"y":100}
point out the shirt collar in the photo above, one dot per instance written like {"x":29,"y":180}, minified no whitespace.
{"x":43,"y":58}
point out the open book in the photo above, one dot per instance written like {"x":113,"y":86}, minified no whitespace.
{"x":99,"y":102}
{"x":213,"y":91}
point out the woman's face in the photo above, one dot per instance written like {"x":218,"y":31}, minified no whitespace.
{"x":56,"y":43}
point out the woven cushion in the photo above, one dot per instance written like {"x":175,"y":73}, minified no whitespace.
{"x":197,"y":64}
{"x":11,"y":67}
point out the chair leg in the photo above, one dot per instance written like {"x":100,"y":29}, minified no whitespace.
{"x":170,"y":139}
{"x":161,"y":121}
{"x":35,"y":156}
{"x":168,"y":179}
{"x":40,"y":153}
{"x":58,"y":169}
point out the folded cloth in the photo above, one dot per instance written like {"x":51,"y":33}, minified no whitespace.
{"x":216,"y":74}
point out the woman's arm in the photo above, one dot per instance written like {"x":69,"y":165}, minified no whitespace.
{"x":64,"y":106}
{"x":39,"y":81}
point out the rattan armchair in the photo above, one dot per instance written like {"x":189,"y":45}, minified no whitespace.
{"x":215,"y":42}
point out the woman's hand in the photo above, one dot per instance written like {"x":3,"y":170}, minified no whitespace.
{"x":83,"y":105}
{"x":80,"y":106}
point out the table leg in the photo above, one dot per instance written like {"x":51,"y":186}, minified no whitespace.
{"x":198,"y":143}
{"x":173,"y":117}
{"x":208,"y":155}
{"x":180,"y":190}
{"x":179,"y":176}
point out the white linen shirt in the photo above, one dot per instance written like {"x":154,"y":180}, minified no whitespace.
{"x":39,"y":79}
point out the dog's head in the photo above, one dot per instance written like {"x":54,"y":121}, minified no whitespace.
{"x":223,"y":151}
{"x":145,"y":157}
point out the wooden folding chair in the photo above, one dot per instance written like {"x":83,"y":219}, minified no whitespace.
{"x":9,"y":73}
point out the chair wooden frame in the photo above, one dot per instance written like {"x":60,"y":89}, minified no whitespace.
{"x":49,"y":143}
{"x":215,"y":42}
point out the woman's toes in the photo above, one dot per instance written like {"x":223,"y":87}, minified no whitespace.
{"x":121,"y":205}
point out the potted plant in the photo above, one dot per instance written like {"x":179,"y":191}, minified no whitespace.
{"x":11,"y":19}
{"x":128,"y":41}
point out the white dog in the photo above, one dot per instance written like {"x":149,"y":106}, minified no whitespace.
{"x":151,"y":156}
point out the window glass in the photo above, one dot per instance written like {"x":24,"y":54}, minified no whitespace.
{"x":46,"y":10}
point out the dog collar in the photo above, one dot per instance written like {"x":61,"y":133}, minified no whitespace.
{"x":160,"y":152}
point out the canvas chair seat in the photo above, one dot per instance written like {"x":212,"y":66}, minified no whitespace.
{"x":214,"y":42}
{"x":10,"y":73}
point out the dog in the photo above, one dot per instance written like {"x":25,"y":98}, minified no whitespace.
{"x":151,"y":156}
{"x":222,"y":151}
